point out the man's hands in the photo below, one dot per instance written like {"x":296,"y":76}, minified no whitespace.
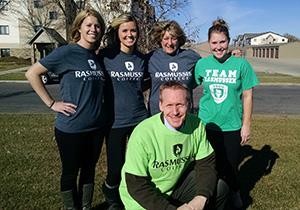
{"x":197,"y":203}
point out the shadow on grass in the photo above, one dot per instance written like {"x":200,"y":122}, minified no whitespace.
{"x":257,"y":163}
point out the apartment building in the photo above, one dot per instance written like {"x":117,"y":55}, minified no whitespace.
{"x":32,"y":28}
{"x":259,"y":39}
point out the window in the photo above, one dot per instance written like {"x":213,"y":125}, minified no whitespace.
{"x":4,"y":52}
{"x":276,"y":52}
{"x":37,"y":3}
{"x":53,"y":15}
{"x":3,"y":6}
{"x":80,"y":4}
{"x":272,"y":53}
{"x":37,"y":27}
{"x":4,"y":30}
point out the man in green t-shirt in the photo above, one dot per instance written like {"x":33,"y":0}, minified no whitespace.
{"x":169,"y":162}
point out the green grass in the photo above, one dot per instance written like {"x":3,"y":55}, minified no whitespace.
{"x":265,"y":77}
{"x":30,"y":165}
{"x":7,"y":63}
{"x":13,"y":76}
{"x":8,"y":66}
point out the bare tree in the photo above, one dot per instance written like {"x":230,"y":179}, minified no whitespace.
{"x":291,"y":37}
{"x":32,"y":14}
{"x":3,"y":4}
{"x":70,"y":8}
{"x":163,"y":8}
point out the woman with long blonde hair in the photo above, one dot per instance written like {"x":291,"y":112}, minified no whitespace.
{"x":79,"y":125}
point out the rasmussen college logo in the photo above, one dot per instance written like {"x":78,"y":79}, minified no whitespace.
{"x":177,"y":149}
{"x":129,"y":65}
{"x":92,"y":64}
{"x":219,"y":92}
{"x":173,"y":66}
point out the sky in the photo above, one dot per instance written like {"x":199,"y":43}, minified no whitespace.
{"x":242,"y":16}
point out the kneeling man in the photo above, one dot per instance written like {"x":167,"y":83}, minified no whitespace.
{"x":169,"y":162}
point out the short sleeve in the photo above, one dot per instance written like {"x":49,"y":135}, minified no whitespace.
{"x":136,"y":162}
{"x":204,"y":148}
{"x":198,"y":73}
{"x":55,"y":60}
{"x":249,"y":78}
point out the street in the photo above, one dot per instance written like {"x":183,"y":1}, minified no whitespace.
{"x":268,"y":99}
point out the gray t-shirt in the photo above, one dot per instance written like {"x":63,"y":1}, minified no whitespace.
{"x":125,"y":75}
{"x":82,"y":83}
{"x":163,"y":67}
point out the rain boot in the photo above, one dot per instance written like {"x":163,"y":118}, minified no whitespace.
{"x":68,"y":200}
{"x":87,"y":196}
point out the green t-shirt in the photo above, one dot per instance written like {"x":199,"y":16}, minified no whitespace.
{"x":155,"y":151}
{"x":223,"y":84}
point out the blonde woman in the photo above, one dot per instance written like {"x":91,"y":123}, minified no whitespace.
{"x":80,"y":121}
{"x":124,"y":66}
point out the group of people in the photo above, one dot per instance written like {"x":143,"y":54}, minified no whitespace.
{"x":159,"y":156}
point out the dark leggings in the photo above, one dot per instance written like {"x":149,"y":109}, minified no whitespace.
{"x":78,"y":151}
{"x":227,"y":148}
{"x":115,"y":148}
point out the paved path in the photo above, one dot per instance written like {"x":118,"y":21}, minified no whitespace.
{"x":282,"y":66}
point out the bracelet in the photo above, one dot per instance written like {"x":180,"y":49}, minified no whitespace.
{"x":53,"y":102}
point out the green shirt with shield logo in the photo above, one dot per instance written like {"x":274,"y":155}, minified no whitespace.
{"x":162,"y":154}
{"x":221,"y":106}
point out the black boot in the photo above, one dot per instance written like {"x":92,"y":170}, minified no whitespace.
{"x":68,"y":200}
{"x":87,"y":196}
{"x":112,"y":197}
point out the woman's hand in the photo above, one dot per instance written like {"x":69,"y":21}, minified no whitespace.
{"x":245,"y":134}
{"x":65,"y":108}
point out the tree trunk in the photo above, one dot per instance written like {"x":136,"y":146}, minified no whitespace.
{"x":71,"y":11}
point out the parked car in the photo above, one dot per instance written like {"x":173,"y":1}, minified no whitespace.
{"x":50,"y":78}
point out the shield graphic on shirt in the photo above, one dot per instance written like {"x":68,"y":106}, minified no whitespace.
{"x":219,"y":92}
{"x":129,"y":65}
{"x":92,"y":64}
{"x":173,"y":66}
{"x":177,"y":149}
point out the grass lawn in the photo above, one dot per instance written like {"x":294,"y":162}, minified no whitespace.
{"x":276,"y":78}
{"x":30,"y":165}
{"x":7,"y":63}
{"x":14,"y":76}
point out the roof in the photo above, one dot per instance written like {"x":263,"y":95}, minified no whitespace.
{"x":252,"y":35}
{"x":269,"y":32}
{"x":50,"y":32}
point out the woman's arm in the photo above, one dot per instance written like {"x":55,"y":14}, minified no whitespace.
{"x":34,"y":77}
{"x":247,"y":115}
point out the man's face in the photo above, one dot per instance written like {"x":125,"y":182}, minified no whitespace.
{"x":174,"y":106}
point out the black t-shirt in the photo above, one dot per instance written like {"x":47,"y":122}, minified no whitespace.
{"x":125,"y":75}
{"x":163,"y":67}
{"x":82,"y":83}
